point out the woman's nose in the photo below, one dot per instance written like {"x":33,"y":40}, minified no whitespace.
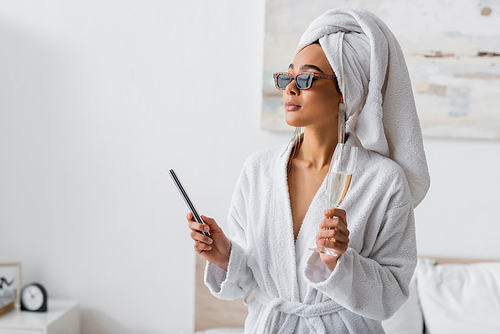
{"x":292,"y":89}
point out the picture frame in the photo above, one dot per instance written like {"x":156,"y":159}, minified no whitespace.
{"x":10,"y":282}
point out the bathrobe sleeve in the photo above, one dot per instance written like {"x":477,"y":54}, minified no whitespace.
{"x":238,"y":279}
{"x":375,"y":284}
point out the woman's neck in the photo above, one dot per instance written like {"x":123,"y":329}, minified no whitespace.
{"x":317,"y":147}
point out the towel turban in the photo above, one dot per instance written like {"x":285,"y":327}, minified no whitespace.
{"x":376,"y":87}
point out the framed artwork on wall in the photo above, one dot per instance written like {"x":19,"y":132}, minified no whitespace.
{"x":452,"y":50}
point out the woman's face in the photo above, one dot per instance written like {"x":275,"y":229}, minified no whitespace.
{"x":315,"y":108}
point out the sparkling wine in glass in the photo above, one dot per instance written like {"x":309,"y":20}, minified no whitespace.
{"x":338,"y":180}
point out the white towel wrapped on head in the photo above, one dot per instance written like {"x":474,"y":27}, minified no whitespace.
{"x":376,"y":87}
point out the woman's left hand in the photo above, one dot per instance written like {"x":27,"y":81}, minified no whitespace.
{"x":334,"y":235}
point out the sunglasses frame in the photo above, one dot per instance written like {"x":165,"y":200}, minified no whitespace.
{"x":313,"y":74}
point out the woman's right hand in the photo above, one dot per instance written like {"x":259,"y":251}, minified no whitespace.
{"x":215,"y":249}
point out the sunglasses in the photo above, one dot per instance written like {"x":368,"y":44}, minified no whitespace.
{"x":302,"y":80}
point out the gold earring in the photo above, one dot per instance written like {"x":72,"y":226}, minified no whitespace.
{"x":341,"y":125}
{"x":295,"y":137}
{"x":296,"y":134}
{"x":296,"y":142}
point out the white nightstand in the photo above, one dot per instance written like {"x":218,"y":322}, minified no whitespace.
{"x":62,"y":317}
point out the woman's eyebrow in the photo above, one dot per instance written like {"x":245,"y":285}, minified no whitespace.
{"x":307,"y":67}
{"x":311,"y":67}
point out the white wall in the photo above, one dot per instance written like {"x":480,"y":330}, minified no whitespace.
{"x":98,"y":99}
{"x":459,"y":217}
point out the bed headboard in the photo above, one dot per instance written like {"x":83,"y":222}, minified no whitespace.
{"x":444,"y":260}
{"x":211,"y":312}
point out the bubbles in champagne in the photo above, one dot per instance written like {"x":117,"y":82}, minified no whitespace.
{"x":337,"y":186}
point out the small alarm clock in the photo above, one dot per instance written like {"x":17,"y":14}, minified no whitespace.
{"x":33,"y":298}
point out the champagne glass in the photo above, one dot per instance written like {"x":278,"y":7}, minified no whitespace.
{"x":338,"y":180}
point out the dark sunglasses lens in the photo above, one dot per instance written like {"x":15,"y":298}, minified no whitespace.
{"x":304,"y":81}
{"x":283,"y":81}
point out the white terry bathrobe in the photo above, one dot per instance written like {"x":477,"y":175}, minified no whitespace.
{"x":294,"y":291}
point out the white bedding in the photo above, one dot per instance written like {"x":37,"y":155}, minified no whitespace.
{"x":458,"y":298}
{"x":452,"y":298}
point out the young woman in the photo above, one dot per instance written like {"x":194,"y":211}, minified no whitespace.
{"x":351,"y":62}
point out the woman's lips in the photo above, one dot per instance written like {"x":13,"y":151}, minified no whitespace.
{"x":290,"y":106}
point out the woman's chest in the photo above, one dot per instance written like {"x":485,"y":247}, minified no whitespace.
{"x":303,"y":187}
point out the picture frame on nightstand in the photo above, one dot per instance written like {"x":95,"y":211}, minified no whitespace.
{"x":10,"y":285}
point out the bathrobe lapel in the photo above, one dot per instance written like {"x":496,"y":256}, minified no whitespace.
{"x":307,"y":237}
{"x":279,"y":234}
{"x":292,"y":255}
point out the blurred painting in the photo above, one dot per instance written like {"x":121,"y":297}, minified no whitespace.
{"x":9,"y":283}
{"x":452,"y":50}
